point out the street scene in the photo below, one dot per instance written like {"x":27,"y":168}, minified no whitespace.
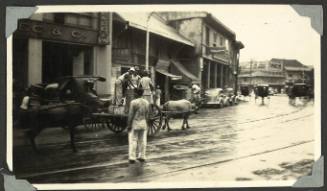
{"x":227,"y":144}
{"x":164,"y":96}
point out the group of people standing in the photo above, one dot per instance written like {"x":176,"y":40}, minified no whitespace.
{"x":126,"y":84}
{"x":136,"y":91}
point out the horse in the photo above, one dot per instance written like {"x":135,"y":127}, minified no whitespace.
{"x":36,"y":117}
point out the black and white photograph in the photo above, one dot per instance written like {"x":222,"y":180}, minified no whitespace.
{"x":164,"y":96}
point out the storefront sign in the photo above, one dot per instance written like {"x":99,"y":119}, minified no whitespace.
{"x":56,"y":32}
{"x":217,"y":50}
{"x":121,"y":56}
{"x":104,"y":20}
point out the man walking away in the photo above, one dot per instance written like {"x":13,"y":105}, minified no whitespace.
{"x":138,"y":122}
{"x":147,"y":86}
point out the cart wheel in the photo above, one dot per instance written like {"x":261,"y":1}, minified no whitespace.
{"x":115,"y":127}
{"x":155,"y":120}
{"x":89,"y":123}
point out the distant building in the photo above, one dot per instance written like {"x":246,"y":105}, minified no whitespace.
{"x":275,"y":72}
{"x":215,"y":60}
{"x":262,"y":72}
{"x":295,"y":71}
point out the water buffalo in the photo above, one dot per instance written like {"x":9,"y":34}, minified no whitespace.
{"x":35,"y":117}
{"x":178,"y":109}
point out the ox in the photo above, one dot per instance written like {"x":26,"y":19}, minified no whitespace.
{"x":178,"y":109}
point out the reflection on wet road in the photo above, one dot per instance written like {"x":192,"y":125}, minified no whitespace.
{"x":216,"y":136}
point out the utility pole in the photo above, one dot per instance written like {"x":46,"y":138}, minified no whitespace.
{"x":147,"y":41}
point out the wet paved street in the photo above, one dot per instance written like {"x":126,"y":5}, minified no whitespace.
{"x":217,"y":137}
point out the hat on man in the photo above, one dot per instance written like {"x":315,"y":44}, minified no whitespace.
{"x":132,"y":69}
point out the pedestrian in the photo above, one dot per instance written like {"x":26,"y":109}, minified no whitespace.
{"x":132,"y":82}
{"x":196,"y":93}
{"x":147,"y":86}
{"x":157,"y":95}
{"x":137,"y":125}
{"x":119,"y":83}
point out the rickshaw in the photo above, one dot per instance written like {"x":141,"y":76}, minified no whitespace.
{"x":261,"y":90}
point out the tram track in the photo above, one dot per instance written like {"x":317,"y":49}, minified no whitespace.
{"x":144,"y":178}
{"x":194,"y":125}
{"x":157,"y":143}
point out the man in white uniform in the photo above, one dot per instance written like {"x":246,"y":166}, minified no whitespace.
{"x":147,"y":86}
{"x":137,"y":125}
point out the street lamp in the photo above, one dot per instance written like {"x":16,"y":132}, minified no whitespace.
{"x":147,"y":41}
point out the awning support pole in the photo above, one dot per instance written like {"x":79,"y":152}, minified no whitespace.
{"x":147,"y":42}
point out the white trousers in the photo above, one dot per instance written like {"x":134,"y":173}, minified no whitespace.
{"x":137,"y":140}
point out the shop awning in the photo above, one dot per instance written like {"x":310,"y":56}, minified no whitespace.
{"x":156,"y":25}
{"x":184,"y":71}
{"x":172,"y":76}
{"x":162,"y":67}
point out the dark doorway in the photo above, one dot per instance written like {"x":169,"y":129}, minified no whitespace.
{"x":160,"y":81}
{"x":58,"y":60}
{"x":204,"y":79}
{"x":20,"y":61}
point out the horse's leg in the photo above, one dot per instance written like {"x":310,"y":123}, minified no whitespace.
{"x":167,"y":123}
{"x":72,"y":137}
{"x":186,"y":121}
{"x":183,"y":124}
{"x":31,"y":136}
{"x":164,"y":125}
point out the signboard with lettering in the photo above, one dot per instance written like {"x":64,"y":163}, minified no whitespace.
{"x":56,"y":32}
{"x":103,"y":37}
{"x":215,"y":50}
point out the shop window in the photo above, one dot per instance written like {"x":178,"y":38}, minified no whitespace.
{"x":215,"y":39}
{"x":221,"y":41}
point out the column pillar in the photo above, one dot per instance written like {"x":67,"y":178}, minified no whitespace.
{"x":222,"y":76}
{"x":216,"y":75}
{"x":34,"y":48}
{"x":78,"y":64}
{"x":208,"y":75}
{"x":103,"y":63}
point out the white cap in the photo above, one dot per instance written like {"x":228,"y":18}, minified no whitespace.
{"x":132,"y":69}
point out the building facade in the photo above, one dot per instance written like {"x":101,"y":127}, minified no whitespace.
{"x":216,"y":49}
{"x":51,"y":45}
{"x":295,"y":71}
{"x":275,"y":72}
{"x":183,"y":48}
{"x":262,"y":72}
{"x":170,"y":54}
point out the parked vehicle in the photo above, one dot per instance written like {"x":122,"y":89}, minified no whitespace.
{"x":215,"y":97}
{"x":231,"y":97}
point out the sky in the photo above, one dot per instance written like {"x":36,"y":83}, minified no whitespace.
{"x":271,"y":31}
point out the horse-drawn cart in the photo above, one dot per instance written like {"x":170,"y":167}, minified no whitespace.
{"x":117,"y":122}
{"x":71,"y":101}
